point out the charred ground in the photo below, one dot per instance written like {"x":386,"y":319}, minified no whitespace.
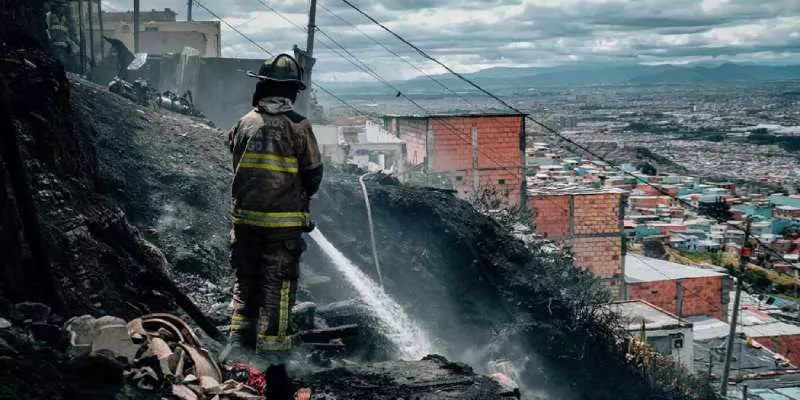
{"x":84,"y":172}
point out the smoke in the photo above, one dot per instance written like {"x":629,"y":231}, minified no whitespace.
{"x":509,"y":354}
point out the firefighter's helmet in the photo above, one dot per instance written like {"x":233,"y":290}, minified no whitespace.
{"x":281,"y":68}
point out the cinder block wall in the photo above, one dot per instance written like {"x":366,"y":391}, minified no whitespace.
{"x":591,"y":224}
{"x":445,"y":144}
{"x":701,"y":296}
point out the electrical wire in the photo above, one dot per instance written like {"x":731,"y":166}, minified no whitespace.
{"x":377,"y":76}
{"x":249,"y":39}
{"x":535,"y":121}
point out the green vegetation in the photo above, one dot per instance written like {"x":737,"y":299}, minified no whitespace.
{"x":704,"y":257}
{"x":763,"y":137}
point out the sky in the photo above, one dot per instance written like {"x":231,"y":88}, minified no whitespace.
{"x":470,"y":35}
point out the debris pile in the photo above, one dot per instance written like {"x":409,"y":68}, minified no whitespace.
{"x":183,"y":104}
{"x":138,"y":91}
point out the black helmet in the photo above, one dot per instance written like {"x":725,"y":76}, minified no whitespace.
{"x":281,"y":68}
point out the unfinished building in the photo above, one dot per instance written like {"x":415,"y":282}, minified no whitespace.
{"x":476,"y":153}
{"x":590,"y":222}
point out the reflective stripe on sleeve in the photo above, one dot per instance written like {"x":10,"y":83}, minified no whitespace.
{"x":270,"y":219}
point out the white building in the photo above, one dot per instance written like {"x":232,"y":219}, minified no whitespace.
{"x":664,"y":331}
{"x":161,"y":33}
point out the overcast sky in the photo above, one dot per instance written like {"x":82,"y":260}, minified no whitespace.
{"x":470,"y":35}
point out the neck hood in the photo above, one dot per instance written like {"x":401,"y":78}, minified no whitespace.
{"x":275,"y":105}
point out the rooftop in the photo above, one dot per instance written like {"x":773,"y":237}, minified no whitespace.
{"x":635,"y":312}
{"x":555,"y":189}
{"x":451,"y":115}
{"x":639,"y":268}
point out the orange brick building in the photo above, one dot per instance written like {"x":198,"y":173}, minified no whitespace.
{"x":681,"y":289}
{"x":776,"y":335}
{"x":590,"y":222}
{"x":475,"y":151}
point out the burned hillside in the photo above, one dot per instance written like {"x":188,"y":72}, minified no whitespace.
{"x":102,"y":200}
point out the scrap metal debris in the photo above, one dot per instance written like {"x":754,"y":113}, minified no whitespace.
{"x":138,"y":91}
{"x":163,"y":355}
{"x":183,"y":104}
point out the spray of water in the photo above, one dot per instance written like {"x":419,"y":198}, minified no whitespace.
{"x":371,"y":227}
{"x":411,"y":341}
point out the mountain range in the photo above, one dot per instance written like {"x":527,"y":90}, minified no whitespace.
{"x":522,"y":78}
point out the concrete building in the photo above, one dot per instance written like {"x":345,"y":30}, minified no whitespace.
{"x":161,"y":33}
{"x":680,"y":289}
{"x":664,"y":331}
{"x":787,"y":212}
{"x":767,"y":374}
{"x":590,"y":222}
{"x":476,"y":152}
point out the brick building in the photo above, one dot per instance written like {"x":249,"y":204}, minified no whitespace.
{"x":474,"y":151}
{"x":680,"y":289}
{"x":590,"y":222}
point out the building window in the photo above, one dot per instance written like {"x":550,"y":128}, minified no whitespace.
{"x":501,"y":181}
{"x":459,"y":178}
{"x":151,"y":29}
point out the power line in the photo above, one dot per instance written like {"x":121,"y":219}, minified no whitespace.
{"x":454,"y":130}
{"x":234,"y":28}
{"x":544,"y":126}
{"x":246,"y":37}
{"x":400,"y":57}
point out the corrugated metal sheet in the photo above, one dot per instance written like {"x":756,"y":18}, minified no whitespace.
{"x":792,"y":393}
{"x":766,"y":394}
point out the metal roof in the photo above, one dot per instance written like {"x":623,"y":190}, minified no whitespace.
{"x":634,"y":312}
{"x":639,"y":268}
{"x":451,"y":115}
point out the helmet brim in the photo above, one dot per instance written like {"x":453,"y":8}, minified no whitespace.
{"x":300,"y":84}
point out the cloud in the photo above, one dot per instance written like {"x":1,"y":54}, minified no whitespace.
{"x":474,"y":34}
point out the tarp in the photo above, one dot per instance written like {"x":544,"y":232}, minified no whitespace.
{"x":138,"y":60}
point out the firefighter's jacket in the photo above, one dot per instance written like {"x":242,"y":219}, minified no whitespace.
{"x":278,"y":167}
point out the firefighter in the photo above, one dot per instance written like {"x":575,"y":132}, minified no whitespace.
{"x":277,"y":168}
{"x":58,"y":31}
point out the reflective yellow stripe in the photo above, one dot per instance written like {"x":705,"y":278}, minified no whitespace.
{"x":240,"y":221}
{"x":270,"y":219}
{"x":274,"y":343}
{"x":283,"y":310}
{"x":250,"y":154}
{"x":270,"y":167}
{"x":270,"y":162}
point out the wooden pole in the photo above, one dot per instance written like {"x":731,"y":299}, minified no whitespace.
{"x":312,"y":17}
{"x":102,"y":32}
{"x":91,"y":34}
{"x":189,"y":10}
{"x":306,"y":60}
{"x":81,"y":39}
{"x":135,"y":26}
{"x":743,"y":256}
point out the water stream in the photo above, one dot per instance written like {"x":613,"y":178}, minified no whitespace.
{"x":411,"y":341}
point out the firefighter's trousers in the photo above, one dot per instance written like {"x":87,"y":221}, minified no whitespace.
{"x":264,"y":294}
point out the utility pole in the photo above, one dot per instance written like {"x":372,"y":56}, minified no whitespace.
{"x":135,"y":26}
{"x":306,"y":60}
{"x":744,"y":254}
{"x":81,"y":39}
{"x":189,"y":10}
{"x":91,"y":34}
{"x":312,"y":17}
{"x":100,"y":21}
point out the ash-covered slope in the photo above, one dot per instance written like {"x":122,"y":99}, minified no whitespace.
{"x":170,"y":173}
{"x":480,"y":292}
